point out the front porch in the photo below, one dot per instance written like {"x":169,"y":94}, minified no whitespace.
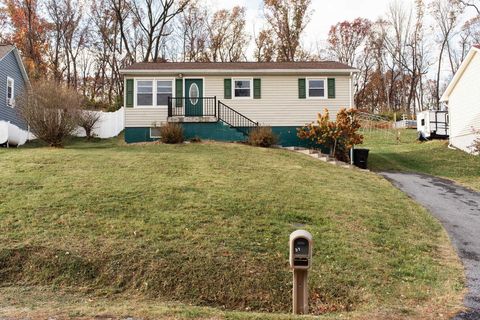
{"x":194,"y":109}
{"x":207,"y":110}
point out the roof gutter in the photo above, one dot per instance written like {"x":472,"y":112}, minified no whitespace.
{"x":237,"y":71}
{"x":446,"y":95}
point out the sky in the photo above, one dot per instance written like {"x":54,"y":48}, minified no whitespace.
{"x":325,"y":14}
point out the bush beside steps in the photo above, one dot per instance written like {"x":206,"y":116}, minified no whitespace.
{"x":262,"y":137}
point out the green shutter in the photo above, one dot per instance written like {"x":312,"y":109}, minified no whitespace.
{"x":302,"y":89}
{"x":257,"y":88}
{"x":331,"y":88}
{"x":129,"y":93}
{"x":227,"y":88}
{"x":178,"y":91}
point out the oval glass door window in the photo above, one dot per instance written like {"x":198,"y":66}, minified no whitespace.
{"x":193,"y":93}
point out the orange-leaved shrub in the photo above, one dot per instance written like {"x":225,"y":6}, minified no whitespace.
{"x":339,"y":136}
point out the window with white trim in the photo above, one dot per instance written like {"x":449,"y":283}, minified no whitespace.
{"x":316,"y":88}
{"x":144,"y":92}
{"x":164,"y":90}
{"x":242,"y":88}
{"x":10,"y":92}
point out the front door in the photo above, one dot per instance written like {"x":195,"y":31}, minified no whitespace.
{"x":193,"y":97}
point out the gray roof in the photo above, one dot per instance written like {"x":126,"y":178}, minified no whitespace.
{"x":323,"y":65}
{"x":5,"y":49}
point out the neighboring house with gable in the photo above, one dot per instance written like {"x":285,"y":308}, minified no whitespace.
{"x":13,"y":79}
{"x":463,"y":99}
{"x":224,"y":101}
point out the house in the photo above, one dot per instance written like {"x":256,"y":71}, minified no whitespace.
{"x":463,"y":99}
{"x":224,"y":101}
{"x":13,"y":79}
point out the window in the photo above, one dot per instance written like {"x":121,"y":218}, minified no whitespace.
{"x":164,"y":90}
{"x":193,"y":93}
{"x":316,"y":88}
{"x":242,"y":88}
{"x":10,"y":89}
{"x":153,"y":92}
{"x":155,"y":133}
{"x":144,"y":93}
{"x":423,"y":122}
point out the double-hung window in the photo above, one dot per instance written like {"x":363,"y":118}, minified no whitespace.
{"x":10,"y":91}
{"x":144,"y":93}
{"x":242,"y":88}
{"x":164,"y":90}
{"x":316,"y":88}
{"x":150,"y":93}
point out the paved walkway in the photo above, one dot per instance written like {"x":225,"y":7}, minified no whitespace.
{"x":458,"y":209}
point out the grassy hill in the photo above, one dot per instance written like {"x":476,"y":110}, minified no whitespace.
{"x":208,"y":225}
{"x":433,"y":157}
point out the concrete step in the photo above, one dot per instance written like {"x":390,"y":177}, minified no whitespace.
{"x":308,"y":151}
{"x":294,"y":148}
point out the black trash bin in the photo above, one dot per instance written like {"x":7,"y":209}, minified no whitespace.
{"x":360,"y":158}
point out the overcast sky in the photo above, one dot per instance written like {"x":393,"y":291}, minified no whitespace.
{"x":325,"y":14}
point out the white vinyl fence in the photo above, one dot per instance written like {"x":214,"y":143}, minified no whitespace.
{"x":109,"y":125}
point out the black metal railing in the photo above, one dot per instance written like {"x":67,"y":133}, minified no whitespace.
{"x":235,"y":119}
{"x":192,"y":107}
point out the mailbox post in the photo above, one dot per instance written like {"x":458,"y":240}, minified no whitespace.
{"x":300,"y":261}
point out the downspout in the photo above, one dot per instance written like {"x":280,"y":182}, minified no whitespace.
{"x":351,"y":106}
{"x":351,"y":84}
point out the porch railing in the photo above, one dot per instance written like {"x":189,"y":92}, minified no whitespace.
{"x":235,"y":119}
{"x":192,"y":107}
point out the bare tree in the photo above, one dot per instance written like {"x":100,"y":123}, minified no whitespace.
{"x":50,"y":110}
{"x":227,"y":38}
{"x":193,"y":30}
{"x":474,"y":4}
{"x":153,"y":18}
{"x":265,"y":46}
{"x":88,"y":120}
{"x":445,"y":14}
{"x":287,"y":19}
{"x":346,"y":38}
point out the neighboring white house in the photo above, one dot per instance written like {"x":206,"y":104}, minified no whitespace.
{"x":463,"y":99}
{"x":223,"y":101}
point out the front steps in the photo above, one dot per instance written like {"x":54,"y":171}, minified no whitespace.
{"x":316,"y":154}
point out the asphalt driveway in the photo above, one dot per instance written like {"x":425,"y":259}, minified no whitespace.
{"x":458,"y":209}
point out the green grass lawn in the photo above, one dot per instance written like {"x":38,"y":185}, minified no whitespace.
{"x":433,"y":157}
{"x":208,"y":225}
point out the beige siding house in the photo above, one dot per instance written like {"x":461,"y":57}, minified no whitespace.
{"x":223,"y":101}
{"x":463,"y":99}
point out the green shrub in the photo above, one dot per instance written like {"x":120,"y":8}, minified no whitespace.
{"x":262,"y":137}
{"x":172,"y":133}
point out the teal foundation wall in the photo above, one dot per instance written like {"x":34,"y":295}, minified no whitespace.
{"x":287,"y":136}
{"x":134,"y":135}
{"x":212,"y":131}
